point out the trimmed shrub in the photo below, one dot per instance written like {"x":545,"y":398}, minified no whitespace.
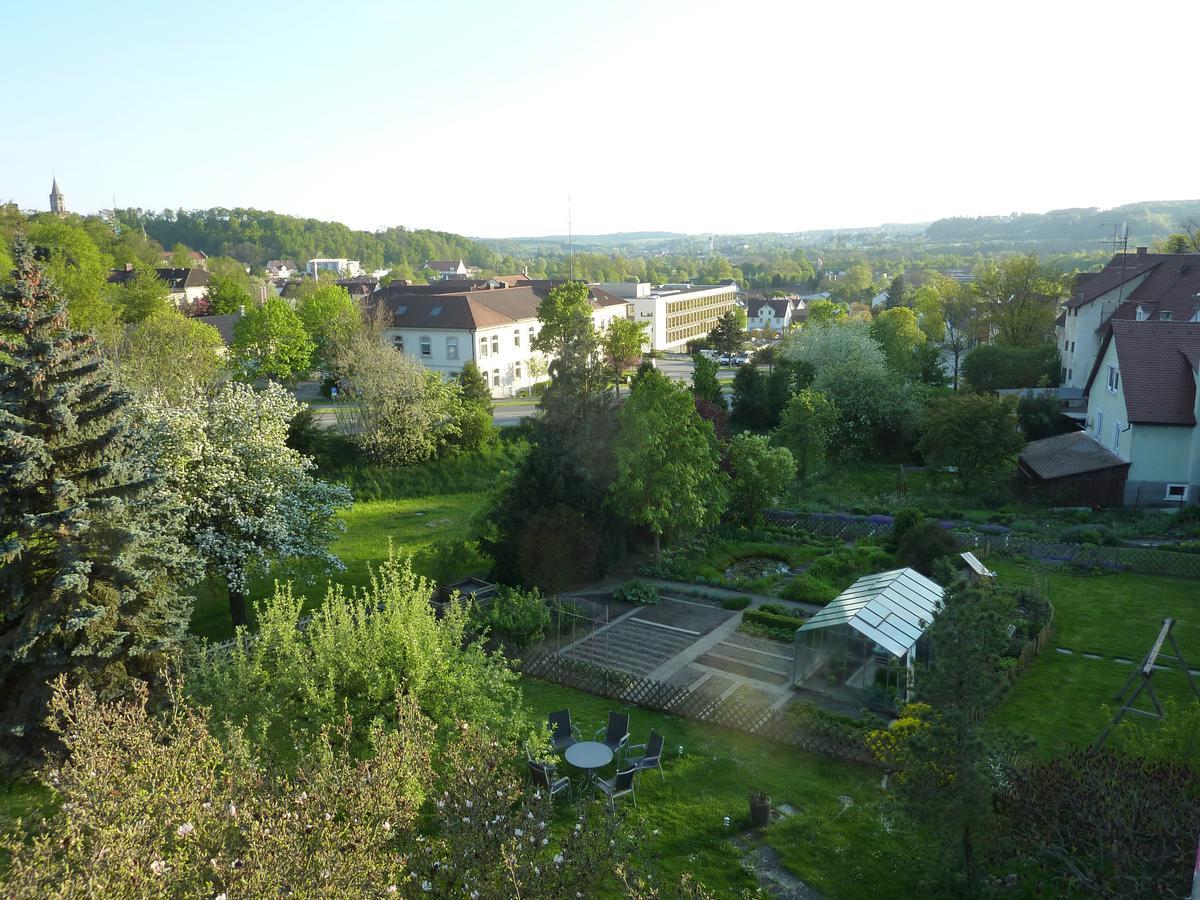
{"x":904,"y":520}
{"x":1088,"y":534}
{"x":807,"y":589}
{"x":922,"y":546}
{"x":772,"y":619}
{"x":735,"y":603}
{"x":640,"y":592}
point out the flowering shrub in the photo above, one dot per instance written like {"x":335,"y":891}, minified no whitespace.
{"x":354,"y":655}
{"x":160,"y":807}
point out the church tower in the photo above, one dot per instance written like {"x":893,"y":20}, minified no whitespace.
{"x":57,"y":204}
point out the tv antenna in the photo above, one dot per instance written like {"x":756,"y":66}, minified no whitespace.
{"x":570,"y":241}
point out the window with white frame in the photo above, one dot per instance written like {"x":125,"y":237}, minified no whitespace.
{"x":1114,"y":379}
{"x":1099,"y":423}
{"x":1165,"y":316}
{"x":1142,"y":315}
{"x":516,"y":337}
{"x":496,"y":344}
{"x":1177,"y":492}
{"x":398,"y":342}
{"x":451,"y":348}
{"x":495,"y":378}
{"x":1116,"y":435}
{"x":517,"y":371}
{"x":483,"y":346}
{"x":426,"y":346}
{"x":530,"y":335}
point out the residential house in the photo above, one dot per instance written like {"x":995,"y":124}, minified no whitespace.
{"x":772,"y":313}
{"x":199,"y":259}
{"x":1141,"y":286}
{"x":359,"y":286}
{"x":340,"y":266}
{"x":281,"y":268}
{"x":184,"y":286}
{"x":1142,"y":405}
{"x":447,"y":269}
{"x":495,"y":327}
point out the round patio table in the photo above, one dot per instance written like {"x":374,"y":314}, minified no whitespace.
{"x":590,"y":756}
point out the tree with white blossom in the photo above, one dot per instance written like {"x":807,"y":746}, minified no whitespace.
{"x":251,"y":499}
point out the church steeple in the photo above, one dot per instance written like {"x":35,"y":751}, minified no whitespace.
{"x":57,"y":204}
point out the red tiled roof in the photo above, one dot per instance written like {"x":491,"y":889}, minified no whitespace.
{"x":1113,"y":275}
{"x":470,"y":309}
{"x":1157,"y":362}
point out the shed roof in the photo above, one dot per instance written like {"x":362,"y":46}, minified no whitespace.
{"x":1073,"y":453}
{"x":891,"y":608}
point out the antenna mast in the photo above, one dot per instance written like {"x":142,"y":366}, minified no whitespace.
{"x":570,"y":240}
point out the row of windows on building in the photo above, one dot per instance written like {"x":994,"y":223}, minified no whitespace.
{"x":674,"y":306}
{"x":425,"y":344}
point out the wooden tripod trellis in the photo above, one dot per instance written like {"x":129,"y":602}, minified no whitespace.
{"x":1143,"y":676}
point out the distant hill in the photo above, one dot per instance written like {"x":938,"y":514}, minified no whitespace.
{"x":1066,"y":229}
{"x":255,"y":236}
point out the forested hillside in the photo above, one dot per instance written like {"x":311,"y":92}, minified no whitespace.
{"x":255,"y":236}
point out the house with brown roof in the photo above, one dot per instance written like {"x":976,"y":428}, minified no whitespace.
{"x":184,"y":286}
{"x":495,"y":327}
{"x":1142,"y":285}
{"x":771,"y":313}
{"x":1142,"y":405}
{"x":448,"y":268}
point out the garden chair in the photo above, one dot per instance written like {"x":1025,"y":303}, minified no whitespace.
{"x":616,"y":732}
{"x":651,"y":757}
{"x":562,"y":732}
{"x":617,"y":786}
{"x":543,"y":776}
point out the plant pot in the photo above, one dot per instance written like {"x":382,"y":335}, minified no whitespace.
{"x":760,"y":812}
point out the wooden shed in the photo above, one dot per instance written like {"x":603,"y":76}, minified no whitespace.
{"x":1073,"y":469}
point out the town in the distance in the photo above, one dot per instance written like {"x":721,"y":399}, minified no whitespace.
{"x":855,"y":562}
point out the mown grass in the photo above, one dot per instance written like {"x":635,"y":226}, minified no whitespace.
{"x":844,"y":849}
{"x":1066,"y":700}
{"x":416,"y":509}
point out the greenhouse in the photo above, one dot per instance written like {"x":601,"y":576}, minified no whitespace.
{"x":864,"y":644}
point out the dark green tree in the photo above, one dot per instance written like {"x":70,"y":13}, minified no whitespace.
{"x":898,"y":293}
{"x":749,"y":399}
{"x":90,"y":552}
{"x":975,"y":434}
{"x":549,"y":526}
{"x":476,"y":428}
{"x":729,"y":334}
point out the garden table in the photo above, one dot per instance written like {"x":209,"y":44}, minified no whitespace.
{"x":589,"y":756}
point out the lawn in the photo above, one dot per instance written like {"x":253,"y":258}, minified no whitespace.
{"x":1061,"y":699}
{"x":837,"y":840}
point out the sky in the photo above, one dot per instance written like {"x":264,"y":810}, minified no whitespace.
{"x":482,"y":118}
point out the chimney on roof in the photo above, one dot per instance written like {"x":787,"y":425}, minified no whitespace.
{"x":525,"y":271}
{"x":1141,"y":251}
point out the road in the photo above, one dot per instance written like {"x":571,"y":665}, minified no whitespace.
{"x":506,"y":413}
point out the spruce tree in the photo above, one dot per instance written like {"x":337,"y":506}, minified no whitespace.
{"x":90,"y":557}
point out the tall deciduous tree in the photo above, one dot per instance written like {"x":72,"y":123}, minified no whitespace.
{"x":77,"y":267}
{"x":622,"y":344}
{"x":181,"y":257}
{"x":141,"y":296}
{"x":761,"y":474}
{"x":90,"y":552}
{"x":668,"y":475}
{"x":399,"y":412}
{"x":1019,"y":298}
{"x":897,"y":333}
{"x":171,"y":354}
{"x":823,"y":312}
{"x":270,"y":342}
{"x":806,"y":427}
{"x":976,"y":434}
{"x":331,"y":317}
{"x":250,"y":499}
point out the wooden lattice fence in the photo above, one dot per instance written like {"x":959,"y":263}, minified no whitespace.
{"x":732,"y":710}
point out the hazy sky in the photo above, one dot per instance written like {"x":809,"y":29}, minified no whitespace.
{"x":481,"y":117}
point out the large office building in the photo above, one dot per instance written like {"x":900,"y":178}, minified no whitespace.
{"x":675,"y":313}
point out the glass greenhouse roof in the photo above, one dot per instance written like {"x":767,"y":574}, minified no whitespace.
{"x":891,"y":608}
